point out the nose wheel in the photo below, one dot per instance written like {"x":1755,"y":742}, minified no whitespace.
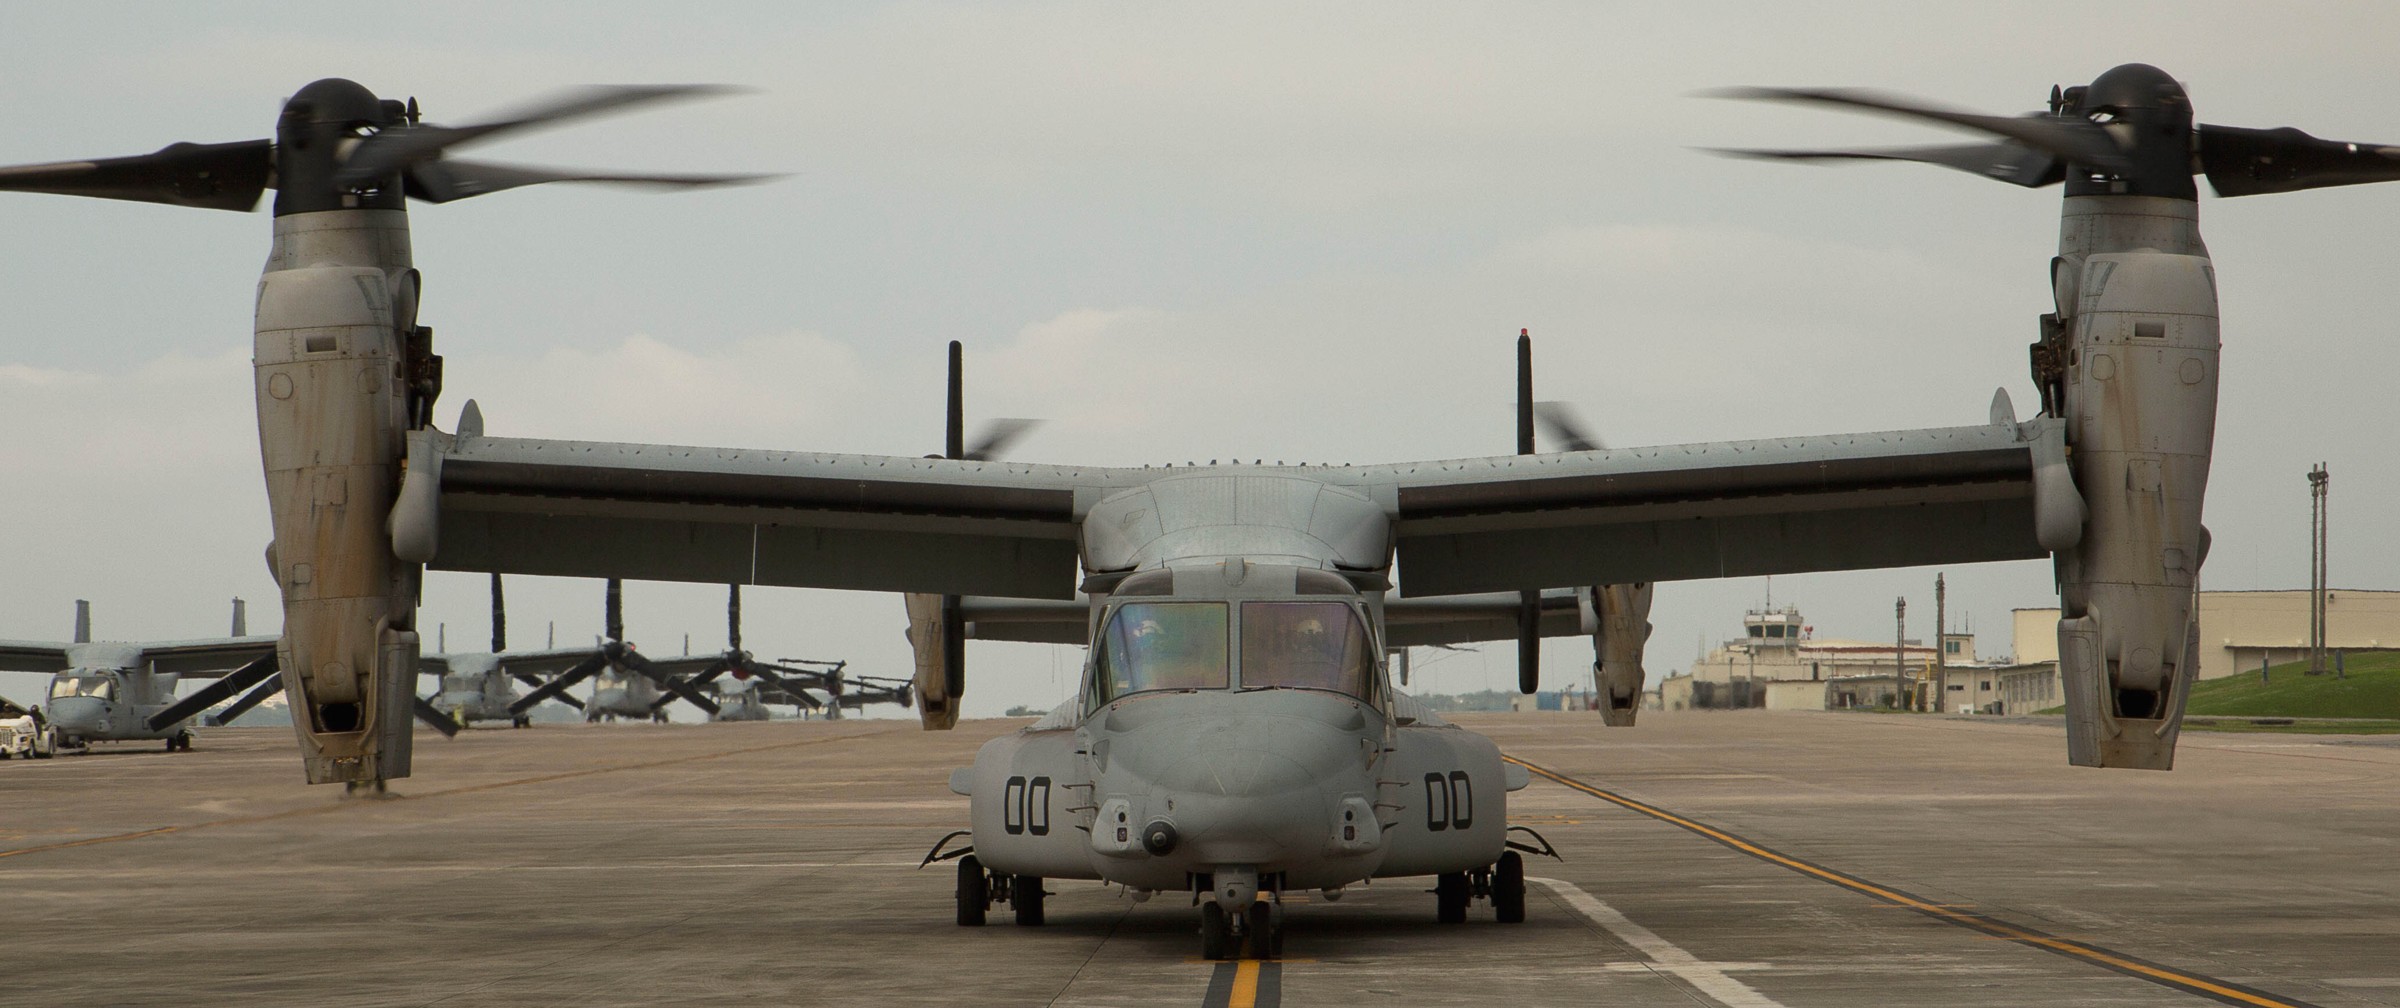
{"x":980,"y":888}
{"x":1503,"y":884}
{"x":1257,"y":932}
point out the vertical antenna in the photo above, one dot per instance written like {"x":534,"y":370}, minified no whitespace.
{"x":1941,"y":643}
{"x":1900,"y":654}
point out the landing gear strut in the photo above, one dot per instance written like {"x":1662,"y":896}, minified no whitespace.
{"x":1256,"y":933}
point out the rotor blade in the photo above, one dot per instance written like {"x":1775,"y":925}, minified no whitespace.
{"x":236,"y":709}
{"x":433,"y":716}
{"x":583,"y":670}
{"x":223,"y":176}
{"x":701,"y":681}
{"x":998,"y":435}
{"x":398,"y":148}
{"x":535,"y":681}
{"x":786,"y":688}
{"x":629,"y":658}
{"x":2247,"y":162}
{"x":217,"y":692}
{"x":499,"y":618}
{"x":446,"y":179}
{"x":1566,"y":426}
{"x":2005,"y":160}
{"x":2078,"y":140}
{"x":614,"y":608}
{"x":733,"y":618}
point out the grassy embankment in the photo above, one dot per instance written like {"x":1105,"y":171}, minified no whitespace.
{"x":2365,"y":701}
{"x":2366,"y":698}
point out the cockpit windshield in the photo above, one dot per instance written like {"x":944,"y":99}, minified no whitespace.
{"x":92,"y":686}
{"x":1161,"y":646}
{"x":1305,"y":645}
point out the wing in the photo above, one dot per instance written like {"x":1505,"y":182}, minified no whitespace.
{"x":1041,"y":621}
{"x":543,"y":662}
{"x":1489,"y":616}
{"x":871,"y":522}
{"x":1728,"y":509}
{"x":200,"y":659}
{"x":32,"y":656}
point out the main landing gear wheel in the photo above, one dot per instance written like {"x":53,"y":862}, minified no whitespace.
{"x":1266,"y":930}
{"x":1025,"y":893}
{"x":974,"y":892}
{"x":180,"y":742}
{"x":1216,"y":931}
{"x":1508,"y":888}
{"x":1451,"y":892}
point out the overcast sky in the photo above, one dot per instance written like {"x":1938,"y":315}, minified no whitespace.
{"x":1272,"y":231}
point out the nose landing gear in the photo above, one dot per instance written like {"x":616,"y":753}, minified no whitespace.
{"x":979,"y":889}
{"x":1503,"y":883}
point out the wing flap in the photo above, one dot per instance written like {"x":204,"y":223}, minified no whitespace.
{"x":1895,"y":499}
{"x":866,"y":522}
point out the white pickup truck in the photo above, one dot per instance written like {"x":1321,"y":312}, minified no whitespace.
{"x":24,"y":732}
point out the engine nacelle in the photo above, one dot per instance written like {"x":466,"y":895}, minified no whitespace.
{"x":332,"y":387}
{"x":937,"y":634}
{"x":1619,"y":618}
{"x":2138,"y":388}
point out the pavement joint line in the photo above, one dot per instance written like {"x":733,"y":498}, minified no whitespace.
{"x":1665,"y":957}
{"x":310,"y":810}
{"x":2222,"y":991}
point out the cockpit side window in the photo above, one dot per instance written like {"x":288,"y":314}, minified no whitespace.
{"x":1306,"y":645}
{"x":1161,"y":646}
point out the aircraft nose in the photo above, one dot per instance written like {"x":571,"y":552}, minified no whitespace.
{"x":78,"y":714}
{"x":1239,"y":789}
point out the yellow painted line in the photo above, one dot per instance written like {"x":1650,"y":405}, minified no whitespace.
{"x":1245,"y":985}
{"x":470,"y":789}
{"x":2218,"y":989}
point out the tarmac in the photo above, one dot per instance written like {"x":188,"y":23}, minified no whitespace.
{"x":1711,"y":858}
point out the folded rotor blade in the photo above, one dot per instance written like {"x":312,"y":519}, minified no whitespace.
{"x":629,"y":658}
{"x":556,"y":687}
{"x":217,"y":692}
{"x":2005,"y":160}
{"x":433,"y":716}
{"x":2080,"y":141}
{"x":224,"y":176}
{"x":998,"y":436}
{"x":395,"y":149}
{"x":535,"y":681}
{"x":2248,"y":162}
{"x":786,"y":688}
{"x":442,"y":181}
{"x":1565,"y":425}
{"x":701,"y":681}
{"x":236,"y":709}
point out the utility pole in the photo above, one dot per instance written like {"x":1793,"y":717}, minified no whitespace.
{"x":1900,"y":655}
{"x":1941,"y":642}
{"x":2317,"y":480}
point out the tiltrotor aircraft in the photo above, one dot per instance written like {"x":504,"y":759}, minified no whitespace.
{"x":113,"y":691}
{"x":1236,"y":736}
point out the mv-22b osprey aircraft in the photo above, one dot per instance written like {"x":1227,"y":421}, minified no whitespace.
{"x":1236,"y":736}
